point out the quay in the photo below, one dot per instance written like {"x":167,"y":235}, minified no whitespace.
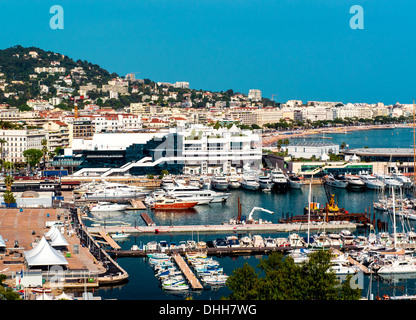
{"x":183,"y":266}
{"x":234,"y":228}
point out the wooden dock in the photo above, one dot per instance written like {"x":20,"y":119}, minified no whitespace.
{"x":147,"y":219}
{"x":183,"y":266}
{"x":353,"y":262}
{"x":136,"y":205}
{"x":109,"y":240}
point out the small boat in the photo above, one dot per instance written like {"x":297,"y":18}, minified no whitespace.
{"x":41,"y":290}
{"x":121,"y":235}
{"x":178,"y":286}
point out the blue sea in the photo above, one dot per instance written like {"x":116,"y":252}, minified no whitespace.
{"x":143,"y":285}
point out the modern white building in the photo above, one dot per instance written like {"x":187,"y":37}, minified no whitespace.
{"x":197,"y":149}
{"x":320,"y":150}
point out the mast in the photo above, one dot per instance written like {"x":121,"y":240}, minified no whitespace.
{"x":309,"y":207}
{"x":414,"y":149}
{"x":394,"y":217}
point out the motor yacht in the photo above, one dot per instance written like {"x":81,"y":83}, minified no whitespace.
{"x":354,"y":182}
{"x":279,"y":180}
{"x":219,"y":183}
{"x":347,"y":237}
{"x":295,"y":240}
{"x":107,"y":207}
{"x":371,"y":182}
{"x":193,"y":190}
{"x":294,"y":182}
{"x":389,"y":181}
{"x":338,"y":182}
{"x":249,"y":183}
{"x":233,"y":183}
{"x":406,"y":181}
{"x":170,"y":203}
{"x":110,"y":191}
{"x":398,"y":265}
{"x":265,"y":183}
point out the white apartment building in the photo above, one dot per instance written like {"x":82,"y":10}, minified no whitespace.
{"x":57,"y":133}
{"x":181,"y":84}
{"x":254,"y":94}
{"x":117,"y":122}
{"x":317,"y":113}
{"x":50,"y":69}
{"x":17,"y":141}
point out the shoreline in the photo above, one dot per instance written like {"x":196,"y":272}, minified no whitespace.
{"x":269,"y":140}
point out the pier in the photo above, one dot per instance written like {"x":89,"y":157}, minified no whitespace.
{"x":183,"y":266}
{"x":109,"y":240}
{"x":147,"y":219}
{"x":226,"y":228}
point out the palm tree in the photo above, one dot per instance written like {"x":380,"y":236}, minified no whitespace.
{"x":2,"y":142}
{"x":44,"y":150}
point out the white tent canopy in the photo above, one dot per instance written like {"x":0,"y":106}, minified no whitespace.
{"x":44,"y":296}
{"x":57,"y":239}
{"x":2,"y":243}
{"x":44,"y":255}
{"x":63,"y":296}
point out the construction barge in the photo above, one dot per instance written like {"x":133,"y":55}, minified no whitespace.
{"x":329,"y":213}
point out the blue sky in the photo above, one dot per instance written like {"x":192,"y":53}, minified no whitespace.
{"x":294,"y":49}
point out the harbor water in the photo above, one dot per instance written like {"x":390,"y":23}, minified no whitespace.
{"x":143,"y":285}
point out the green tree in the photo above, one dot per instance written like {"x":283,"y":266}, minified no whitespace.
{"x":33,"y":156}
{"x":280,"y":278}
{"x":7,"y":293}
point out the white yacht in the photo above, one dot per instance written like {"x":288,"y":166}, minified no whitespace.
{"x":294,"y":182}
{"x":342,"y":268}
{"x":233,"y":183}
{"x":111,"y":191}
{"x":389,"y":181}
{"x":295,"y":240}
{"x":279,"y":180}
{"x":203,"y":193}
{"x":331,"y":181}
{"x":347,"y":237}
{"x":108,"y":207}
{"x":398,"y":265}
{"x":406,"y":181}
{"x":371,"y":182}
{"x":265,"y":183}
{"x":249,"y":183}
{"x":354,"y":182}
{"x":219,"y":183}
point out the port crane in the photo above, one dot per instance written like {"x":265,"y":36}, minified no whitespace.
{"x":250,"y":216}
